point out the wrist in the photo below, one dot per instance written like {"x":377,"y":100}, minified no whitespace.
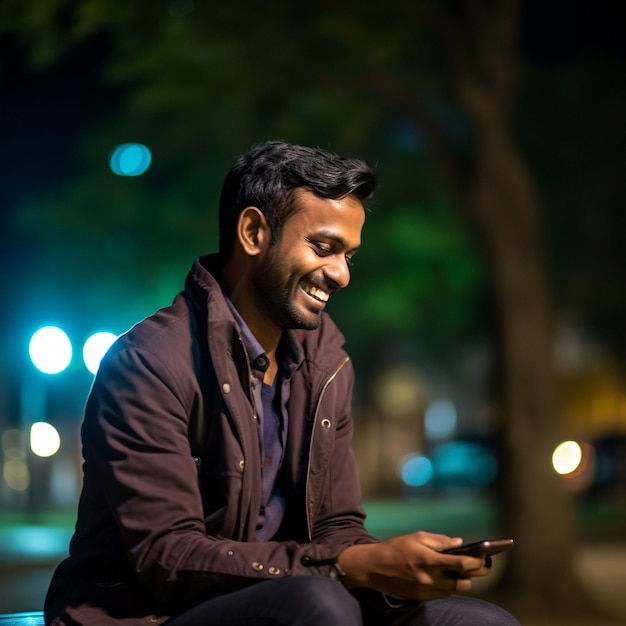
{"x":352,"y":562}
{"x":337,"y":573}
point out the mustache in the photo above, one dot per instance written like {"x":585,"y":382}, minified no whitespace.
{"x":323,"y":283}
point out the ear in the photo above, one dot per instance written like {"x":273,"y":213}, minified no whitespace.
{"x":253,"y":232}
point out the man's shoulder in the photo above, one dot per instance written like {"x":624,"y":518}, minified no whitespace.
{"x":171,"y":320}
{"x":200,"y":301}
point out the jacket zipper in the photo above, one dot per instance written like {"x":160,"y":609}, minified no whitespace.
{"x":309,"y":522}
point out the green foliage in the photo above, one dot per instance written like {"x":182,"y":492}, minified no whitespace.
{"x":200,"y":86}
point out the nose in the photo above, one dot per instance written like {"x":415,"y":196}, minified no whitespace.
{"x":337,"y":272}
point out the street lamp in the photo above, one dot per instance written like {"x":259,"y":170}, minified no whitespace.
{"x":95,"y":348}
{"x":50,"y":350}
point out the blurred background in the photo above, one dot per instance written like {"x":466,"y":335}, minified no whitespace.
{"x":485,"y":317}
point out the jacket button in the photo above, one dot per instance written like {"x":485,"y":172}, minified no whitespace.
{"x":242,"y":464}
{"x":326,"y":423}
{"x":257,"y":566}
{"x":226,"y":388}
{"x":274,"y":571}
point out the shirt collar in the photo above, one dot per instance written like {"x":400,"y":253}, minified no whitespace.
{"x":256,"y":354}
{"x":290,"y":352}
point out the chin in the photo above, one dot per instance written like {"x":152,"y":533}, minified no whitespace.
{"x":300,"y":321}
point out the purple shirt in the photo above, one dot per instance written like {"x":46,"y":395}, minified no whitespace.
{"x":270,"y":404}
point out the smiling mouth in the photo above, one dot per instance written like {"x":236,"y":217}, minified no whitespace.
{"x":318,"y":294}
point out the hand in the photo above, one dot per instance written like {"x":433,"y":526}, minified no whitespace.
{"x":411,"y":567}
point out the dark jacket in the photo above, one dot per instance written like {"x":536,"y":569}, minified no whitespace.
{"x":172,"y":472}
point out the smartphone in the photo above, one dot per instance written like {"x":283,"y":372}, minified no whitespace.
{"x":486,"y":547}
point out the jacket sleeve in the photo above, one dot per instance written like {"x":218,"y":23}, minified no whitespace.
{"x":136,"y":447}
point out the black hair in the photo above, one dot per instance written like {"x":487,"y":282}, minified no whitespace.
{"x":267,"y":176}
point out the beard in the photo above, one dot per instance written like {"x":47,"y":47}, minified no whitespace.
{"x":278,"y":294}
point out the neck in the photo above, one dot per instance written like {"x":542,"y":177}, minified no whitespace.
{"x":236,"y":283}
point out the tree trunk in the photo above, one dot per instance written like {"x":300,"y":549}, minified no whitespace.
{"x":537,"y":511}
{"x":501,"y":202}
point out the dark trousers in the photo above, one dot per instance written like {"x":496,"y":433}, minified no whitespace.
{"x":315,"y":601}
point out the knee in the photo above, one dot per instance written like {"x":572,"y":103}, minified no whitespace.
{"x":325,"y":601}
{"x":489,"y":614}
{"x":467,"y":611}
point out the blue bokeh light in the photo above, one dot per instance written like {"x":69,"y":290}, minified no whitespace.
{"x":464,"y":464}
{"x":50,"y":350}
{"x":416,"y":470}
{"x":130,"y":159}
{"x":440,"y":419}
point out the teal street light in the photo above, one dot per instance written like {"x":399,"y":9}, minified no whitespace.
{"x":50,"y":350}
{"x":95,"y":348}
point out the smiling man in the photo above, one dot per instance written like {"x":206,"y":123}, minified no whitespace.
{"x":219,"y":481}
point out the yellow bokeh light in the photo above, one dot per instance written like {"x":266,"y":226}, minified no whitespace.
{"x":16,"y":475}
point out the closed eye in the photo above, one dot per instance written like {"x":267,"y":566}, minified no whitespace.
{"x":321,"y":249}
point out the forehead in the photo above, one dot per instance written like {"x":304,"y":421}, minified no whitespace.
{"x":343,"y":217}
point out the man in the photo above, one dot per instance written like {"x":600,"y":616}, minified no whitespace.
{"x":219,"y":484}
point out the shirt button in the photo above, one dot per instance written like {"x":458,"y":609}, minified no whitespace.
{"x":257,"y":566}
{"x":326,"y":423}
{"x":274,"y":571}
{"x":242,"y":464}
{"x":226,"y":388}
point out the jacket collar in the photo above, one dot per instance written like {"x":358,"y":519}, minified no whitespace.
{"x":203,"y":284}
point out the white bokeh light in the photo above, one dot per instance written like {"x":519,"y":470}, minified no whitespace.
{"x":95,"y":348}
{"x":50,"y":350}
{"x":44,"y":439}
{"x":567,"y":457}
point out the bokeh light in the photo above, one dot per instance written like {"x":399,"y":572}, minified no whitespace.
{"x":15,"y":469}
{"x":95,"y":348}
{"x":416,"y":470}
{"x":45,"y":440}
{"x":16,"y":475}
{"x":566,"y":457}
{"x":440,"y":419}
{"x":50,"y":350}
{"x":459,"y":464}
{"x":130,"y":159}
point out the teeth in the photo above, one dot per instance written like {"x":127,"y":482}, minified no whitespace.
{"x":318,"y":294}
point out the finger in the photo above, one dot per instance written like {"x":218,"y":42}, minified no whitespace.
{"x":461,"y":584}
{"x":484,"y":569}
{"x":437,"y":541}
{"x":467,"y":565}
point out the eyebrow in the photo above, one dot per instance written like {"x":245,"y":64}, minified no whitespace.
{"x":327,"y":234}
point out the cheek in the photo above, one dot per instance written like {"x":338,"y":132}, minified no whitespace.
{"x":297,"y":265}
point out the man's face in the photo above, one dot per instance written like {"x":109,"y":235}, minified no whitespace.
{"x":310,"y":262}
